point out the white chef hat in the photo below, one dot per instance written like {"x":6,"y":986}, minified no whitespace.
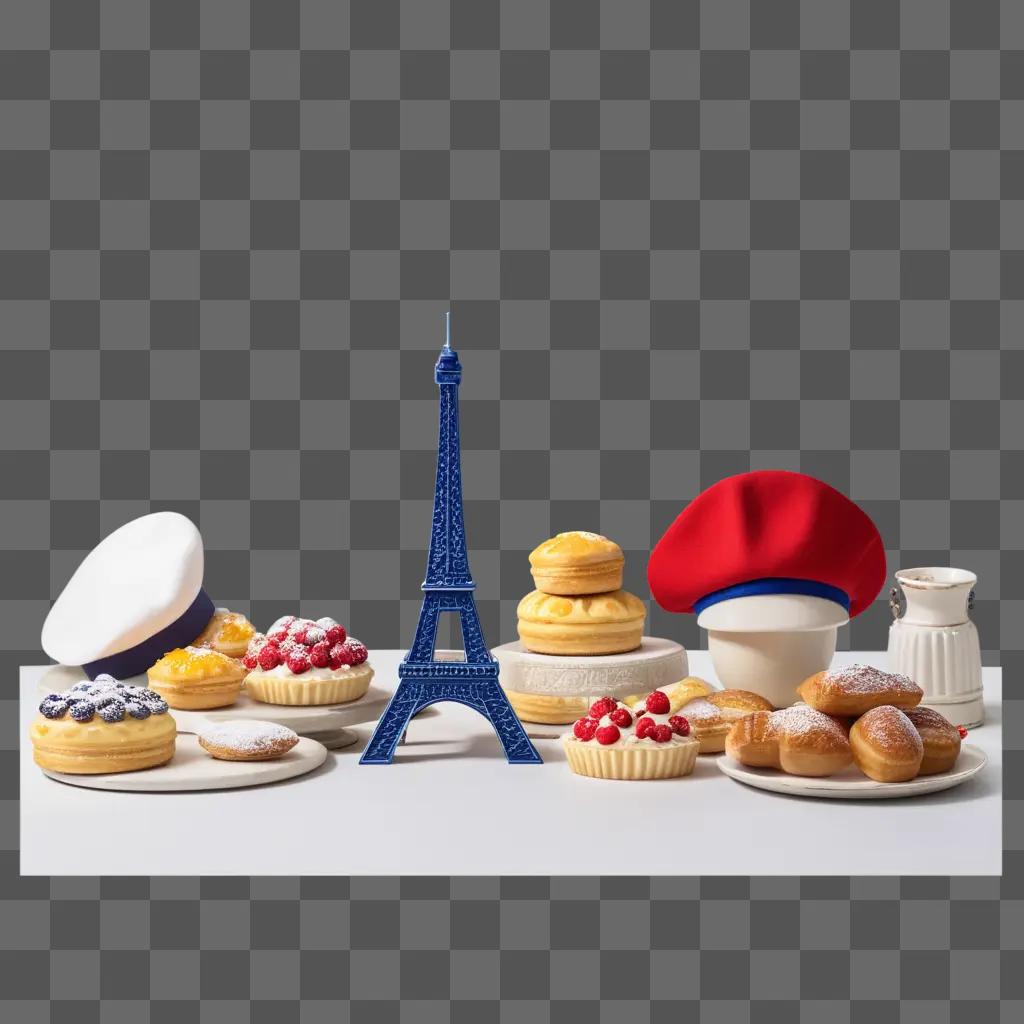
{"x":137,"y":594}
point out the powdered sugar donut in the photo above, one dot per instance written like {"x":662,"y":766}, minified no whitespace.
{"x":246,"y":740}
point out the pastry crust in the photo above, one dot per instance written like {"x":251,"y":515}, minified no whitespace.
{"x":341,"y":686}
{"x":939,"y":737}
{"x":712,"y":717}
{"x":678,"y":693}
{"x":854,"y":689}
{"x":97,"y":747}
{"x":247,"y":740}
{"x":635,"y":763}
{"x":796,"y":740}
{"x":577,"y":562}
{"x":886,"y":745}
{"x":197,"y":678}
{"x":609,"y":623}
{"x":227,"y":632}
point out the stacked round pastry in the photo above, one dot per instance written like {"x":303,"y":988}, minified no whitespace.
{"x":579,"y":607}
{"x":856,"y":713}
{"x":300,"y":661}
{"x":197,"y":678}
{"x":646,"y":741}
{"x":102,"y":726}
{"x":712,"y":716}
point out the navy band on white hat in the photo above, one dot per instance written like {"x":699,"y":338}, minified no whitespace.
{"x":136,"y":660}
{"x":774,"y":585}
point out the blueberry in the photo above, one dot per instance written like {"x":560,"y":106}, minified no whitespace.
{"x":137,"y":709}
{"x":83,"y":711}
{"x":53,"y":708}
{"x":151,"y":697}
{"x":112,"y":711}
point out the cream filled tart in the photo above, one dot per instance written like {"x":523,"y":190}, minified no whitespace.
{"x":306,"y":662}
{"x":227,"y":632}
{"x":197,"y":678}
{"x":101,"y":727}
{"x":646,"y":741}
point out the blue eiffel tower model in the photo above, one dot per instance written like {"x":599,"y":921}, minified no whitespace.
{"x":449,"y":587}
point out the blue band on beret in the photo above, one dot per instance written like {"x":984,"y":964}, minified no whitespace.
{"x":181,"y":632}
{"x":774,"y":585}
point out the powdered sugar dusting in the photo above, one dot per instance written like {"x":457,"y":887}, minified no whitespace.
{"x":868,"y":679}
{"x":889,"y":729}
{"x":700,"y":710}
{"x":248,"y":737}
{"x":801,"y":720}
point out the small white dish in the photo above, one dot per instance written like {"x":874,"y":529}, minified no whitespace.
{"x":852,"y":784}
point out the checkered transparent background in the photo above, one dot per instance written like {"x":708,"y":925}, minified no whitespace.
{"x":680,"y":240}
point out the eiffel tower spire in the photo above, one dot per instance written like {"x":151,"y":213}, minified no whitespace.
{"x":448,"y":559}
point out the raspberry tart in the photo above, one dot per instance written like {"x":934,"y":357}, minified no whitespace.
{"x":646,"y":741}
{"x":102,"y":726}
{"x":197,"y":678}
{"x":301,"y":661}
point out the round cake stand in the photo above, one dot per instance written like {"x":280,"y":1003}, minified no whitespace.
{"x":656,"y":662}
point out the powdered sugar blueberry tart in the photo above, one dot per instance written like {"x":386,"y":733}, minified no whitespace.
{"x":299,"y":661}
{"x":645,"y":741}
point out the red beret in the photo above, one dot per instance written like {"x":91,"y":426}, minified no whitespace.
{"x":768,"y":532}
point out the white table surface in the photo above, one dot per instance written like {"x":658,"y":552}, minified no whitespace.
{"x":450,"y":805}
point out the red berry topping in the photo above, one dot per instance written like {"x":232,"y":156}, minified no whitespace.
{"x":299,"y":636}
{"x":250,"y":662}
{"x":661,"y":733}
{"x":607,"y":734}
{"x":298,"y":661}
{"x":657,"y":703}
{"x":357,"y":650}
{"x":621,"y":717}
{"x":644,"y":726}
{"x":314,"y":635}
{"x":277,"y":636}
{"x":680,"y":726}
{"x":602,"y":707}
{"x":584,"y":729}
{"x":343,"y":655}
{"x":335,"y":634}
{"x":268,"y":658}
{"x":963,"y":732}
{"x":320,"y":655}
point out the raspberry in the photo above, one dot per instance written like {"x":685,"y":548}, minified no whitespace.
{"x":620,"y":716}
{"x":607,"y":734}
{"x":298,"y":662}
{"x":269,"y":658}
{"x":335,"y":634}
{"x":320,"y":655}
{"x":83,"y":710}
{"x":314,"y":635}
{"x":602,"y":707}
{"x":357,"y":651}
{"x":657,"y":703}
{"x":250,"y":662}
{"x":277,"y":636}
{"x":299,"y":635}
{"x":644,"y":726}
{"x":963,"y":732}
{"x":584,"y":729}
{"x":326,"y":622}
{"x":284,"y":622}
{"x":138,"y":709}
{"x":680,"y":726}
{"x":343,"y":655}
{"x":661,"y":733}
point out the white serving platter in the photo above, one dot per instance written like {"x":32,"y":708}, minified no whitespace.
{"x":852,"y":784}
{"x":193,"y":769}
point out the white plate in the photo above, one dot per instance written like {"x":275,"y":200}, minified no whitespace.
{"x":192,"y":768}
{"x":851,"y":784}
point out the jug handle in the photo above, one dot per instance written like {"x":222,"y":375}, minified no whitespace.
{"x":894,"y":602}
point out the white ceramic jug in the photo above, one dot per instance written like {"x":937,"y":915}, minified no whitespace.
{"x":935,"y":643}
